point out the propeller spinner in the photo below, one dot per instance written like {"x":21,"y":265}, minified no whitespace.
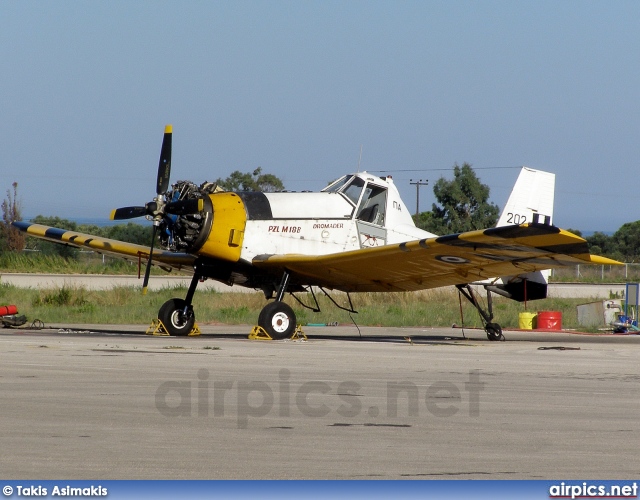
{"x":159,"y":208}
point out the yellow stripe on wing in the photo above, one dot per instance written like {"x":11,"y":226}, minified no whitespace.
{"x":130,"y":251}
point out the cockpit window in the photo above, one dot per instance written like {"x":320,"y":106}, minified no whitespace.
{"x":354,"y":190}
{"x":336,"y":186}
{"x":373,"y":205}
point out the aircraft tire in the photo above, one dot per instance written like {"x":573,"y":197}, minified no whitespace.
{"x":278,"y":320}
{"x":494,"y":331}
{"x":172,"y":317}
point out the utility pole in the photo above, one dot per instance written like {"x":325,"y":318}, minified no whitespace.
{"x":417,"y":184}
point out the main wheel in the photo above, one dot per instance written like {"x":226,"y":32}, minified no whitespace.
{"x":494,"y":331}
{"x":278,"y":320}
{"x":174,"y":318}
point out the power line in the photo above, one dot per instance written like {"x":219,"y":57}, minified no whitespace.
{"x":438,"y":169}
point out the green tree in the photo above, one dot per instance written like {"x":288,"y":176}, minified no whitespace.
{"x":463,"y":204}
{"x":11,"y":238}
{"x":55,"y":221}
{"x":627,"y":242}
{"x":426,"y":221}
{"x":602,"y":244}
{"x":93,"y":229}
{"x":257,"y":181}
{"x":131,"y":233}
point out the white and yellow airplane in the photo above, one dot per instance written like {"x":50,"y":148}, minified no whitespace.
{"x":356,"y":235}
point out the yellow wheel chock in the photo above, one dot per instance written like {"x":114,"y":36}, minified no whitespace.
{"x":157,"y":328}
{"x":298,"y":334}
{"x":259,"y":333}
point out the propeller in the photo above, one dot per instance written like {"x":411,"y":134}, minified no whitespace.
{"x":159,"y":207}
{"x":128,"y":213}
{"x":162,"y":185}
{"x":180,"y":207}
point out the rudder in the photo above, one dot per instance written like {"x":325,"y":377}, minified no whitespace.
{"x":531,"y":199}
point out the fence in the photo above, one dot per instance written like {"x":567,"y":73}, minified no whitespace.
{"x":597,"y":274}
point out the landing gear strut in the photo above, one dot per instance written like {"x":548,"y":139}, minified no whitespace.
{"x":177,"y":315}
{"x":494,"y":330}
{"x":277,"y":318}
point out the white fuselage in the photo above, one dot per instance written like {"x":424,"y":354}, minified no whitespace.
{"x":357,"y":211}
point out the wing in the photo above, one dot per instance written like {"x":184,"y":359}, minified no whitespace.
{"x":443,"y":261}
{"x":130,"y":251}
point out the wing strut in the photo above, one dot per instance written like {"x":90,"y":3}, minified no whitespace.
{"x":349,"y":310}
{"x":494,"y":330}
{"x":315,"y":299}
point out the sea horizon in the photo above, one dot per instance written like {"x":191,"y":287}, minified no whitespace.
{"x":99,"y":221}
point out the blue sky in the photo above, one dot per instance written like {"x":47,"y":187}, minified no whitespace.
{"x":297,"y":87}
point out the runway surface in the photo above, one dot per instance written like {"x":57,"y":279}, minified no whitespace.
{"x":97,"y":402}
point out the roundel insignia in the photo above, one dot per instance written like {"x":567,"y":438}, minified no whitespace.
{"x":452,"y":259}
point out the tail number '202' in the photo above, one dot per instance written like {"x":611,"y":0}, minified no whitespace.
{"x":516,"y":218}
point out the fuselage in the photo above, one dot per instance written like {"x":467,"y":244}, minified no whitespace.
{"x":357,"y":211}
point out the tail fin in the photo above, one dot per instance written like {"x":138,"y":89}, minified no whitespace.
{"x":531,"y":199}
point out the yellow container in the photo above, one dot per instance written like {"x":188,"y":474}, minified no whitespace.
{"x":526,"y":321}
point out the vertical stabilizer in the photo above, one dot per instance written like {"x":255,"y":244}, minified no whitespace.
{"x":531,"y":199}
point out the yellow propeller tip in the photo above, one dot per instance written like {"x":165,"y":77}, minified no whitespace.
{"x":168,"y":129}
{"x":144,"y":290}
{"x":112,"y":216}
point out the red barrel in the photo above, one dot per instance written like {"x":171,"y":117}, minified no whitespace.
{"x":7,"y":310}
{"x":550,"y":320}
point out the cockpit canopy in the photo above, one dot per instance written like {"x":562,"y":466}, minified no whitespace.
{"x":365,"y":194}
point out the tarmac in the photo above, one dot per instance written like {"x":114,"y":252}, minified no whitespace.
{"x":110,"y":402}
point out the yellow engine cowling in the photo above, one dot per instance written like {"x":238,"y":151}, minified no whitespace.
{"x":223,"y":232}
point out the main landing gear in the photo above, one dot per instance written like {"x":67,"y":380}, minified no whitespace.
{"x":177,"y":315}
{"x":494,"y":330}
{"x":277,"y":318}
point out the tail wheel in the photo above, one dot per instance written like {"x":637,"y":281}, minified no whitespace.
{"x":175,"y":319}
{"x":278,"y":320}
{"x":494,"y":331}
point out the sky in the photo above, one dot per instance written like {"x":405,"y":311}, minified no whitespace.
{"x":311,"y":90}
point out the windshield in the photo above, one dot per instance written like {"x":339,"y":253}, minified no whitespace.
{"x":353,"y":190}
{"x":335,"y":186}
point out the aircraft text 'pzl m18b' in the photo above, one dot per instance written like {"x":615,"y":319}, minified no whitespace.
{"x":356,"y":235}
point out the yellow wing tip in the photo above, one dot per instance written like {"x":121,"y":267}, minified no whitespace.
{"x":168,"y":129}
{"x":598,"y":259}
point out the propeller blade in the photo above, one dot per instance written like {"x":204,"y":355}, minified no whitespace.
{"x":128,"y":213}
{"x":164,"y":167}
{"x":147,"y":271}
{"x":185,"y":207}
